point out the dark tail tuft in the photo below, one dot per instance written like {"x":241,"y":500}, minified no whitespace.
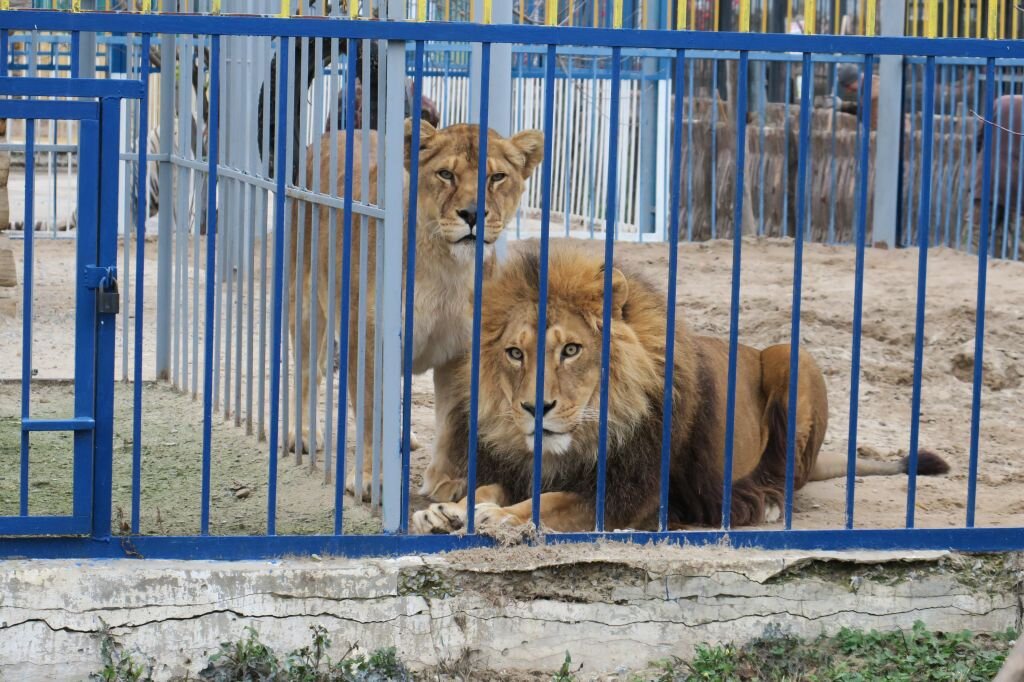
{"x":928,"y":463}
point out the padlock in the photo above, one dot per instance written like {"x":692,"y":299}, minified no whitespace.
{"x":108,"y":300}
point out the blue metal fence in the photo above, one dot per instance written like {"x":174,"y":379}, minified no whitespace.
{"x":93,"y":473}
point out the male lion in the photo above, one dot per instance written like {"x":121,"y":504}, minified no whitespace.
{"x":570,"y":421}
{"x":445,"y":246}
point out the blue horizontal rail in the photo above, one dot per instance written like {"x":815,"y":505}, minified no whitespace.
{"x":268,"y":547}
{"x":36,"y":109}
{"x":66,"y":87}
{"x":304,"y":27}
{"x":40,"y":525}
{"x":76,"y":424}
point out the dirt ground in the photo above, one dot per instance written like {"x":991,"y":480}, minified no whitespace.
{"x":172,"y":420}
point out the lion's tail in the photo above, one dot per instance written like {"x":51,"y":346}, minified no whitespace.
{"x":928,"y":464}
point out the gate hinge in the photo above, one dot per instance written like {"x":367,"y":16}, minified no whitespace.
{"x":97,"y":277}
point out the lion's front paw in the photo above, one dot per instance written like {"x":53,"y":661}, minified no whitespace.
{"x":443,"y":517}
{"x":772,"y":512}
{"x":490,"y":516}
{"x":414,"y":442}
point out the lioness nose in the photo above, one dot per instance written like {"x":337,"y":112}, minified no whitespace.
{"x":468,"y":215}
{"x":529,"y":407}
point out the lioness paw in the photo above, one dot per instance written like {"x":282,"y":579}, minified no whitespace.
{"x":365,"y":487}
{"x":295,"y":443}
{"x":439,"y":518}
{"x":414,"y":442}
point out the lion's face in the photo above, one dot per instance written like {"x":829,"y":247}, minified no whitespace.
{"x":572,"y":355}
{"x":572,"y":370}
{"x":449,"y":161}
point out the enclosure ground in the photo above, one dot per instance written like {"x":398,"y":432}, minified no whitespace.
{"x":490,"y":614}
{"x":172,"y":422}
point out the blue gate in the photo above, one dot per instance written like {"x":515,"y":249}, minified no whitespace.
{"x":95,"y":106}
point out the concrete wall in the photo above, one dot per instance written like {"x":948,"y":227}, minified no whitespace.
{"x":612,"y":606}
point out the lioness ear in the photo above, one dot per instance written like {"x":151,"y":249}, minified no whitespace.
{"x":531,"y":144}
{"x":620,"y":291}
{"x":426,"y":132}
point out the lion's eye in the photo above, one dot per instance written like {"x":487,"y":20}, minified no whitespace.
{"x":571,"y":350}
{"x":514,"y":354}
{"x":446,"y":175}
{"x":497,"y":177}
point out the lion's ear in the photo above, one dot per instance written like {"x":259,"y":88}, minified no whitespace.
{"x":620,"y":292}
{"x":426,"y":132}
{"x":531,"y":144}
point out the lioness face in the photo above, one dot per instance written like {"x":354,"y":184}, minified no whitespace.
{"x":572,"y":368}
{"x":449,"y":162}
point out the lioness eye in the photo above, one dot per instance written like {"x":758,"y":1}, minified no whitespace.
{"x":498,"y":177}
{"x":446,"y":175}
{"x":514,"y":354}
{"x":571,"y":350}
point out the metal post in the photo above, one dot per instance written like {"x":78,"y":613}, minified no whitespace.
{"x":649,"y":176}
{"x":87,"y":48}
{"x":888,"y":144}
{"x":499,"y":117}
{"x":390,"y":291}
{"x":165,"y":227}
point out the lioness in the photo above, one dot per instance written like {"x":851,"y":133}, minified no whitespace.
{"x":445,"y":246}
{"x":571,"y":408}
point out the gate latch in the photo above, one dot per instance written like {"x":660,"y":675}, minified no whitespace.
{"x":104,"y":281}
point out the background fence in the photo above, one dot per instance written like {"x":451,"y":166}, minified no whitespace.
{"x":212,"y":320}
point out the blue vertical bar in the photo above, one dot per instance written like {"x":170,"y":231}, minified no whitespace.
{"x":5,"y":45}
{"x":734,"y":314}
{"x":922,"y":276}
{"x":542,"y":299}
{"x":85,"y":311}
{"x":963,"y":157}
{"x":26,"y":320}
{"x":784,"y":231}
{"x":979,"y":332}
{"x":798,"y":274}
{"x":905,"y":238}
{"x":346,"y":289}
{"x":832,"y":162}
{"x":689,"y":157}
{"x":103,"y":457}
{"x":275,"y":342}
{"x":761,"y":161}
{"x":714,"y":149}
{"x":609,"y":255}
{"x":211,"y":274}
{"x":974,"y":161}
{"x":673,"y":264}
{"x":140,"y":263}
{"x":76,"y":41}
{"x":858,"y":284}
{"x":478,"y":285}
{"x":410,"y":283}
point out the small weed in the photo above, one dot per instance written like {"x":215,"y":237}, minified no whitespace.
{"x":566,"y":673}
{"x":118,"y":665}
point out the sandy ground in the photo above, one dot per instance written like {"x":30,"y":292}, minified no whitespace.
{"x":172,"y":420}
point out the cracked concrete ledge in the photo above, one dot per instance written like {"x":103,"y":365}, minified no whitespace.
{"x":612,"y":606}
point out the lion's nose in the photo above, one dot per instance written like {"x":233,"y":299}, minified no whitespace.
{"x":468,"y":215}
{"x":529,"y":407}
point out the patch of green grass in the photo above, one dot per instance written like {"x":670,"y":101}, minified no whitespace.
{"x":918,"y":655}
{"x":118,"y":664}
{"x":250,"y":659}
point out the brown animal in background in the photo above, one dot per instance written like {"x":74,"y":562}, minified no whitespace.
{"x":636,"y":384}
